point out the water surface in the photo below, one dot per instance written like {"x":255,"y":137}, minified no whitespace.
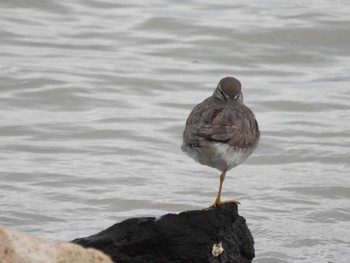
{"x":94,"y":95}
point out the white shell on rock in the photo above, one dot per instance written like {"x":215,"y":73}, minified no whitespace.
{"x":217,"y":249}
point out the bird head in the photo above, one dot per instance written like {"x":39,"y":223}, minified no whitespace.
{"x":228,"y":88}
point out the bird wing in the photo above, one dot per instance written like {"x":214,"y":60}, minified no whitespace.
{"x":234,"y":124}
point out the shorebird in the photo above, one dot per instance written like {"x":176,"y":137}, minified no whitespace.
{"x":221,"y":132}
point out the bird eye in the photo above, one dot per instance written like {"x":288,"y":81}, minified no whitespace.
{"x":223,"y":94}
{"x":238,"y":96}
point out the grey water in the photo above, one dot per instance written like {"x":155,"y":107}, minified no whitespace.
{"x":94,"y":95}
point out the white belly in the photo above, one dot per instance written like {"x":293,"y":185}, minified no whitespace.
{"x":219,"y":155}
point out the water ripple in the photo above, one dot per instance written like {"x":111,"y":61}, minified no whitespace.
{"x":95,"y":95}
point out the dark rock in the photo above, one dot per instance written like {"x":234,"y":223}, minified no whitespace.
{"x":212,"y":235}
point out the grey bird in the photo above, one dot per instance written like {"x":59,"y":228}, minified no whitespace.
{"x":221,"y":132}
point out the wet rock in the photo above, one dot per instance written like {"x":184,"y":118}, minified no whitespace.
{"x":16,"y":247}
{"x":212,"y":235}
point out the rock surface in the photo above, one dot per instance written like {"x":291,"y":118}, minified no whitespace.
{"x":16,"y":247}
{"x":213,"y":236}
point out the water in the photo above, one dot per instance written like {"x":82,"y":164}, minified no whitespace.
{"x":94,"y":96}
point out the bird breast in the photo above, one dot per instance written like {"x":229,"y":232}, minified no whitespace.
{"x":218,"y":155}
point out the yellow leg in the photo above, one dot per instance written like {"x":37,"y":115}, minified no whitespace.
{"x":218,"y":201}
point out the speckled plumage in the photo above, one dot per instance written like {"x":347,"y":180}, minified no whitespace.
{"x":221,"y":131}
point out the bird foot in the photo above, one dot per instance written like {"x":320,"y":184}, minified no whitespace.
{"x":218,"y":203}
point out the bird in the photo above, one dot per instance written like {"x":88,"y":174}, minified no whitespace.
{"x":221,"y":132}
